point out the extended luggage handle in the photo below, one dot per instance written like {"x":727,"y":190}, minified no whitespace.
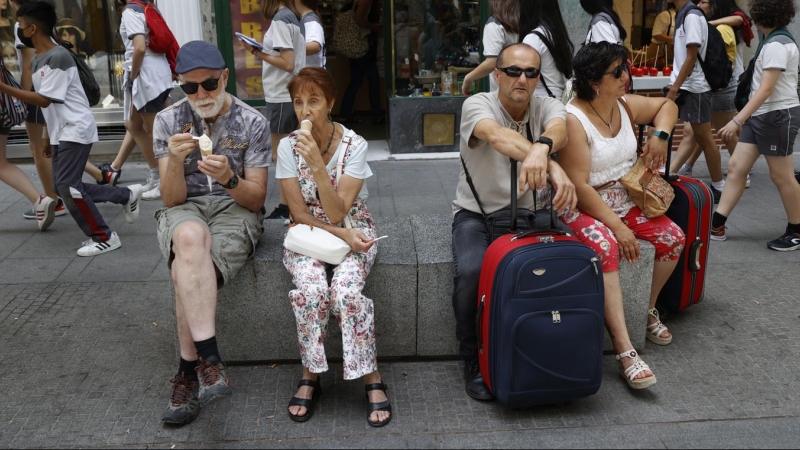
{"x":553,"y":217}
{"x":514,"y":177}
{"x":667,"y":174}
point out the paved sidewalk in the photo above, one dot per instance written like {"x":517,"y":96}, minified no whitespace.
{"x":87,"y":346}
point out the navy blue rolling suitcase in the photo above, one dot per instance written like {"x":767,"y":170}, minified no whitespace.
{"x":540,"y":317}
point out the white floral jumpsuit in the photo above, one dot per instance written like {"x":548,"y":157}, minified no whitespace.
{"x":313,"y":300}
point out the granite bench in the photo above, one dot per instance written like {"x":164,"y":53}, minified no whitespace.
{"x":411,"y":284}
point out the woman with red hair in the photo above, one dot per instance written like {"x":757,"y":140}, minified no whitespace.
{"x":325,"y":198}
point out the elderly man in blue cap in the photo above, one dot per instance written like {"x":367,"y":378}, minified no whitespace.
{"x":213,"y":214}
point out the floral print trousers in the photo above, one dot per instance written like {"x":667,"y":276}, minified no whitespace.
{"x":313,"y":301}
{"x":666,"y":237}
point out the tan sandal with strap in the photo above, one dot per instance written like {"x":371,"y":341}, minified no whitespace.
{"x":656,"y":329}
{"x":634,"y":370}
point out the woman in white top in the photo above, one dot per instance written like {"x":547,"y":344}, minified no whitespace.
{"x":330,"y":199}
{"x":315,"y":34}
{"x":769,"y":123}
{"x":501,"y":30}
{"x":284,"y":54}
{"x":543,"y":28}
{"x":605,"y":25}
{"x":601,"y":150}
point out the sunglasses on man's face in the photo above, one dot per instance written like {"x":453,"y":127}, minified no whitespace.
{"x":516,"y":72}
{"x":617,"y":72}
{"x":210,"y":85}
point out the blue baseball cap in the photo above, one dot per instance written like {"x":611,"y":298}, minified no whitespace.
{"x":198,"y":55}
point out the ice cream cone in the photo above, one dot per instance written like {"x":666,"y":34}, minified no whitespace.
{"x":306,"y":125}
{"x":205,"y":145}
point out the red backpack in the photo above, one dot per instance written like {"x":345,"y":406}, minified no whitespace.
{"x":161,"y":38}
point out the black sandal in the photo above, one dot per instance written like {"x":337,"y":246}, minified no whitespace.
{"x":304,"y":402}
{"x":381,"y":406}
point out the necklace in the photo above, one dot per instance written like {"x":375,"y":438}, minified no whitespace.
{"x":330,"y":140}
{"x":608,"y":124}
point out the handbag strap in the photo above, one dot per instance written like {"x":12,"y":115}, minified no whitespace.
{"x":340,"y":169}
{"x":472,"y":187}
{"x":633,"y":125}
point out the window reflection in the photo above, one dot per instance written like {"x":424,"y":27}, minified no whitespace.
{"x":91,"y":27}
{"x":433,"y":34}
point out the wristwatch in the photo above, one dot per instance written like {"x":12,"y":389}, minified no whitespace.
{"x":232,"y":183}
{"x":547,"y":141}
{"x":663,"y":135}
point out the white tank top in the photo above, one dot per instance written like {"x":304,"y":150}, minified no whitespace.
{"x":612,"y":157}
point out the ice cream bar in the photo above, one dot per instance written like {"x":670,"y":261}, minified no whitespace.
{"x":205,"y":145}
{"x":306,"y":125}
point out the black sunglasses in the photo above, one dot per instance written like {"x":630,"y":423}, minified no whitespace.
{"x":617,"y":72}
{"x":516,"y":72}
{"x":210,"y":85}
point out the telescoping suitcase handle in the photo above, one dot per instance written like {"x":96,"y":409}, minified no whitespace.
{"x":553,"y":219}
{"x":667,"y":175}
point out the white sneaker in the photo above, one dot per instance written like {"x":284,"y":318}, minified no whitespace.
{"x":45,"y":209}
{"x":685,"y":171}
{"x":151,"y":183}
{"x":154,"y":193}
{"x":98,"y":248}
{"x":132,"y":207}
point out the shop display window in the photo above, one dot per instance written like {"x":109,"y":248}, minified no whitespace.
{"x":435,"y":43}
{"x":93,"y":30}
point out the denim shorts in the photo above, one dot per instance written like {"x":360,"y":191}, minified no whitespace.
{"x":722,"y":100}
{"x":773,"y":132}
{"x":235,"y":230}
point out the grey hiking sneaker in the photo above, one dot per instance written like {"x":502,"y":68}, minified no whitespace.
{"x":184,"y":404}
{"x":213,"y":381}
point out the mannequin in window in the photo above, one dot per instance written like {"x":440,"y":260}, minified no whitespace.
{"x":68,"y":30}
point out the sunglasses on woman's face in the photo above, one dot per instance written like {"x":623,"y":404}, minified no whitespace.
{"x":516,"y":72}
{"x":617,"y":72}
{"x":210,"y":85}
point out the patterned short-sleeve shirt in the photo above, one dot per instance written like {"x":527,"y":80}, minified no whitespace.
{"x":241,"y":134}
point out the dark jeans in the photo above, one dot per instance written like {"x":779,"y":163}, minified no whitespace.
{"x":69,"y":159}
{"x":470,"y":241}
{"x":358,"y":69}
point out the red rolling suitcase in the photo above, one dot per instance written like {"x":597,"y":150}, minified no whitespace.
{"x":690,"y":210}
{"x":540,"y":316}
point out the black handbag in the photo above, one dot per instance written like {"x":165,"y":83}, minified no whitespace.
{"x":515,"y":220}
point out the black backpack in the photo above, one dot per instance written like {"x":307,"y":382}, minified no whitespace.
{"x":90,"y":86}
{"x":717,"y":68}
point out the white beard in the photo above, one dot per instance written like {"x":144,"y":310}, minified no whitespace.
{"x":210,"y":107}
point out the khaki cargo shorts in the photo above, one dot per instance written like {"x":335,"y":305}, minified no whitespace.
{"x":235,"y":231}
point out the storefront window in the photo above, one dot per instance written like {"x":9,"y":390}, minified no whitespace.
{"x":432,"y":36}
{"x":92,"y":27}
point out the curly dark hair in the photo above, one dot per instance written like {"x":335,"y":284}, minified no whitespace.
{"x":591,"y":63}
{"x":772,"y":13}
